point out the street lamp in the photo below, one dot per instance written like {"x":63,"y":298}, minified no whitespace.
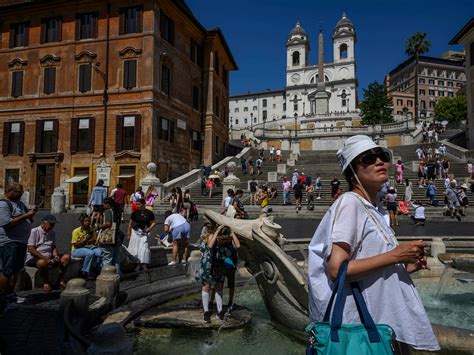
{"x":264,"y":120}
{"x":296,"y":127}
{"x":405,"y":111}
{"x":251,"y":121}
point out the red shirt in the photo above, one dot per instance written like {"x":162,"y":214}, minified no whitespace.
{"x":303,"y":179}
{"x":119,"y":196}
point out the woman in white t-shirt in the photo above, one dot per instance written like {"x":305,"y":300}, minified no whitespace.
{"x":353,"y":230}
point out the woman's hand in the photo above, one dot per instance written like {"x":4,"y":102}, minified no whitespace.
{"x":409,"y":252}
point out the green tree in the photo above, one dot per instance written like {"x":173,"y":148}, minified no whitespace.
{"x":376,"y":105}
{"x":416,"y":45}
{"x":451,"y":109}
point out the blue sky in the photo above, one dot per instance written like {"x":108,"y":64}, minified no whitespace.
{"x":256,"y":32}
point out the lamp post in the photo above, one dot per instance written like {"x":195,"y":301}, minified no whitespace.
{"x":251,"y":122}
{"x":381,"y":123}
{"x":264,"y":120}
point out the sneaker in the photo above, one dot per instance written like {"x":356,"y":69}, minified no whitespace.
{"x":207,"y":317}
{"x":172,"y":263}
{"x":318,"y":198}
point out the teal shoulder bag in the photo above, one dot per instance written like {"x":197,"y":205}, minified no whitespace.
{"x":335,"y":338}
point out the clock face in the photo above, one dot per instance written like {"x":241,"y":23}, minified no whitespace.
{"x":295,"y":78}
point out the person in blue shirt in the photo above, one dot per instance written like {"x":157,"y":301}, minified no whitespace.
{"x":96,"y":202}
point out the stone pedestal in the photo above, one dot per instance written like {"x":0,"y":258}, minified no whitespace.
{"x":58,"y":201}
{"x":415,"y":165}
{"x":281,"y":168}
{"x":231,"y":181}
{"x":437,"y":247}
{"x":285,"y":144}
{"x":294,"y":156}
{"x":321,"y":99}
{"x":107,"y":283}
{"x":272,"y":176}
{"x":152,"y":181}
{"x":77,"y":292}
{"x":295,"y":149}
{"x":290,"y":162}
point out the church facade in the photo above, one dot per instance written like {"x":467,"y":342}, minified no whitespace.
{"x":323,"y":93}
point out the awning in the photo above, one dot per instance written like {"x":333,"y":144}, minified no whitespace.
{"x":76,"y":178}
{"x":125,"y":176}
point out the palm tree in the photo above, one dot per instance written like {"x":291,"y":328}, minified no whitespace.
{"x":416,"y":45}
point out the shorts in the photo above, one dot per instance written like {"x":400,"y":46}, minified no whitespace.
{"x":181,"y":231}
{"x":392,"y":206}
{"x":453,"y":205}
{"x":13,"y":257}
{"x":298,"y":196}
{"x":229,"y":272}
{"x":98,"y":208}
{"x":218,"y":273}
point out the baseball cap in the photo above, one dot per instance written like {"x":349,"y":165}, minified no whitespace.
{"x":354,"y":146}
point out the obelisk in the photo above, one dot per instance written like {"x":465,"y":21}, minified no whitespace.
{"x":322,"y":97}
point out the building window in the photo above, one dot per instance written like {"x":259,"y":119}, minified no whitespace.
{"x":264,"y":115}
{"x":196,"y":97}
{"x":431,"y":82}
{"x":255,"y":120}
{"x":421,"y":80}
{"x":296,"y":58}
{"x":195,"y":141}
{"x":47,"y":136}
{"x":51,"y":30}
{"x":17,"y":83}
{"x":49,"y":86}
{"x":86,"y":25}
{"x":236,"y":110}
{"x":264,"y":103}
{"x":441,"y":82}
{"x":450,"y":83}
{"x":274,"y":106}
{"x":422,"y":91}
{"x":254,"y":108}
{"x":440,"y":93}
{"x":84,"y":78}
{"x":458,"y":85}
{"x":284,"y":106}
{"x":131,"y":20}
{"x":432,"y":104}
{"x":129,"y":74}
{"x":11,"y":176}
{"x":225,"y":77}
{"x":431,"y":92}
{"x":245,"y":121}
{"x":246,"y":109}
{"x":167,"y":28}
{"x":236,"y":121}
{"x":166,"y":130}
{"x":128,"y":133}
{"x":13,"y":138}
{"x":399,"y":102}
{"x":19,"y":33}
{"x":450,"y":94}
{"x":82,"y":135}
{"x":295,"y":107}
{"x":423,"y":104}
{"x":196,"y":53}
{"x":165,"y":79}
{"x":216,"y":106}
{"x":344,"y":102}
{"x":410,"y":103}
{"x":343,"y":51}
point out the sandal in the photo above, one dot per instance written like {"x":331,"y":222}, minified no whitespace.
{"x":47,"y":288}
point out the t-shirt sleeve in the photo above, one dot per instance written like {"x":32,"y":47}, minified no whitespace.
{"x":348,"y":224}
{"x":75,"y":236}
{"x":33,"y":239}
{"x":5,"y":214}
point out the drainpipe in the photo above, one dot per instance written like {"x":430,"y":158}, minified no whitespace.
{"x":105,"y":97}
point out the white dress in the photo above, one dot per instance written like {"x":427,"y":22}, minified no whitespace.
{"x":390,"y":294}
{"x":138,"y":246}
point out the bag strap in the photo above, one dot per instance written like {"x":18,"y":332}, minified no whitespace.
{"x":336,"y":320}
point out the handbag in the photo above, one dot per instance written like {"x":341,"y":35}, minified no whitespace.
{"x":107,"y":236}
{"x":231,"y":211}
{"x":335,"y":338}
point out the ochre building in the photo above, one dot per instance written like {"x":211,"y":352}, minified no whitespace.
{"x":157,"y":76}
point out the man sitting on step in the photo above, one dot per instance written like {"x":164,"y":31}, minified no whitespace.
{"x":43,"y":253}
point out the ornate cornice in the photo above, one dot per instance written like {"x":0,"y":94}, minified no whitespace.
{"x":50,"y":60}
{"x":85,"y":57}
{"x":130,"y":52}
{"x":17,"y":63}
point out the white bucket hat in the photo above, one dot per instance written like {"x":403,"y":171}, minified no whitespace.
{"x":354,"y":146}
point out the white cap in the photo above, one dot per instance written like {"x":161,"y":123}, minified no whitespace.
{"x":354,"y":146}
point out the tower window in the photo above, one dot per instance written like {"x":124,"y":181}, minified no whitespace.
{"x":296,"y":58}
{"x":343,"y":51}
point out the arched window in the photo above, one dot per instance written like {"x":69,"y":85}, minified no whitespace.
{"x":343,"y":98}
{"x":245,"y":120}
{"x":236,"y":121}
{"x":343,"y":51}
{"x":296,"y":58}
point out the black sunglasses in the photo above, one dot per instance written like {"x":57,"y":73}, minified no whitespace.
{"x":371,"y":158}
